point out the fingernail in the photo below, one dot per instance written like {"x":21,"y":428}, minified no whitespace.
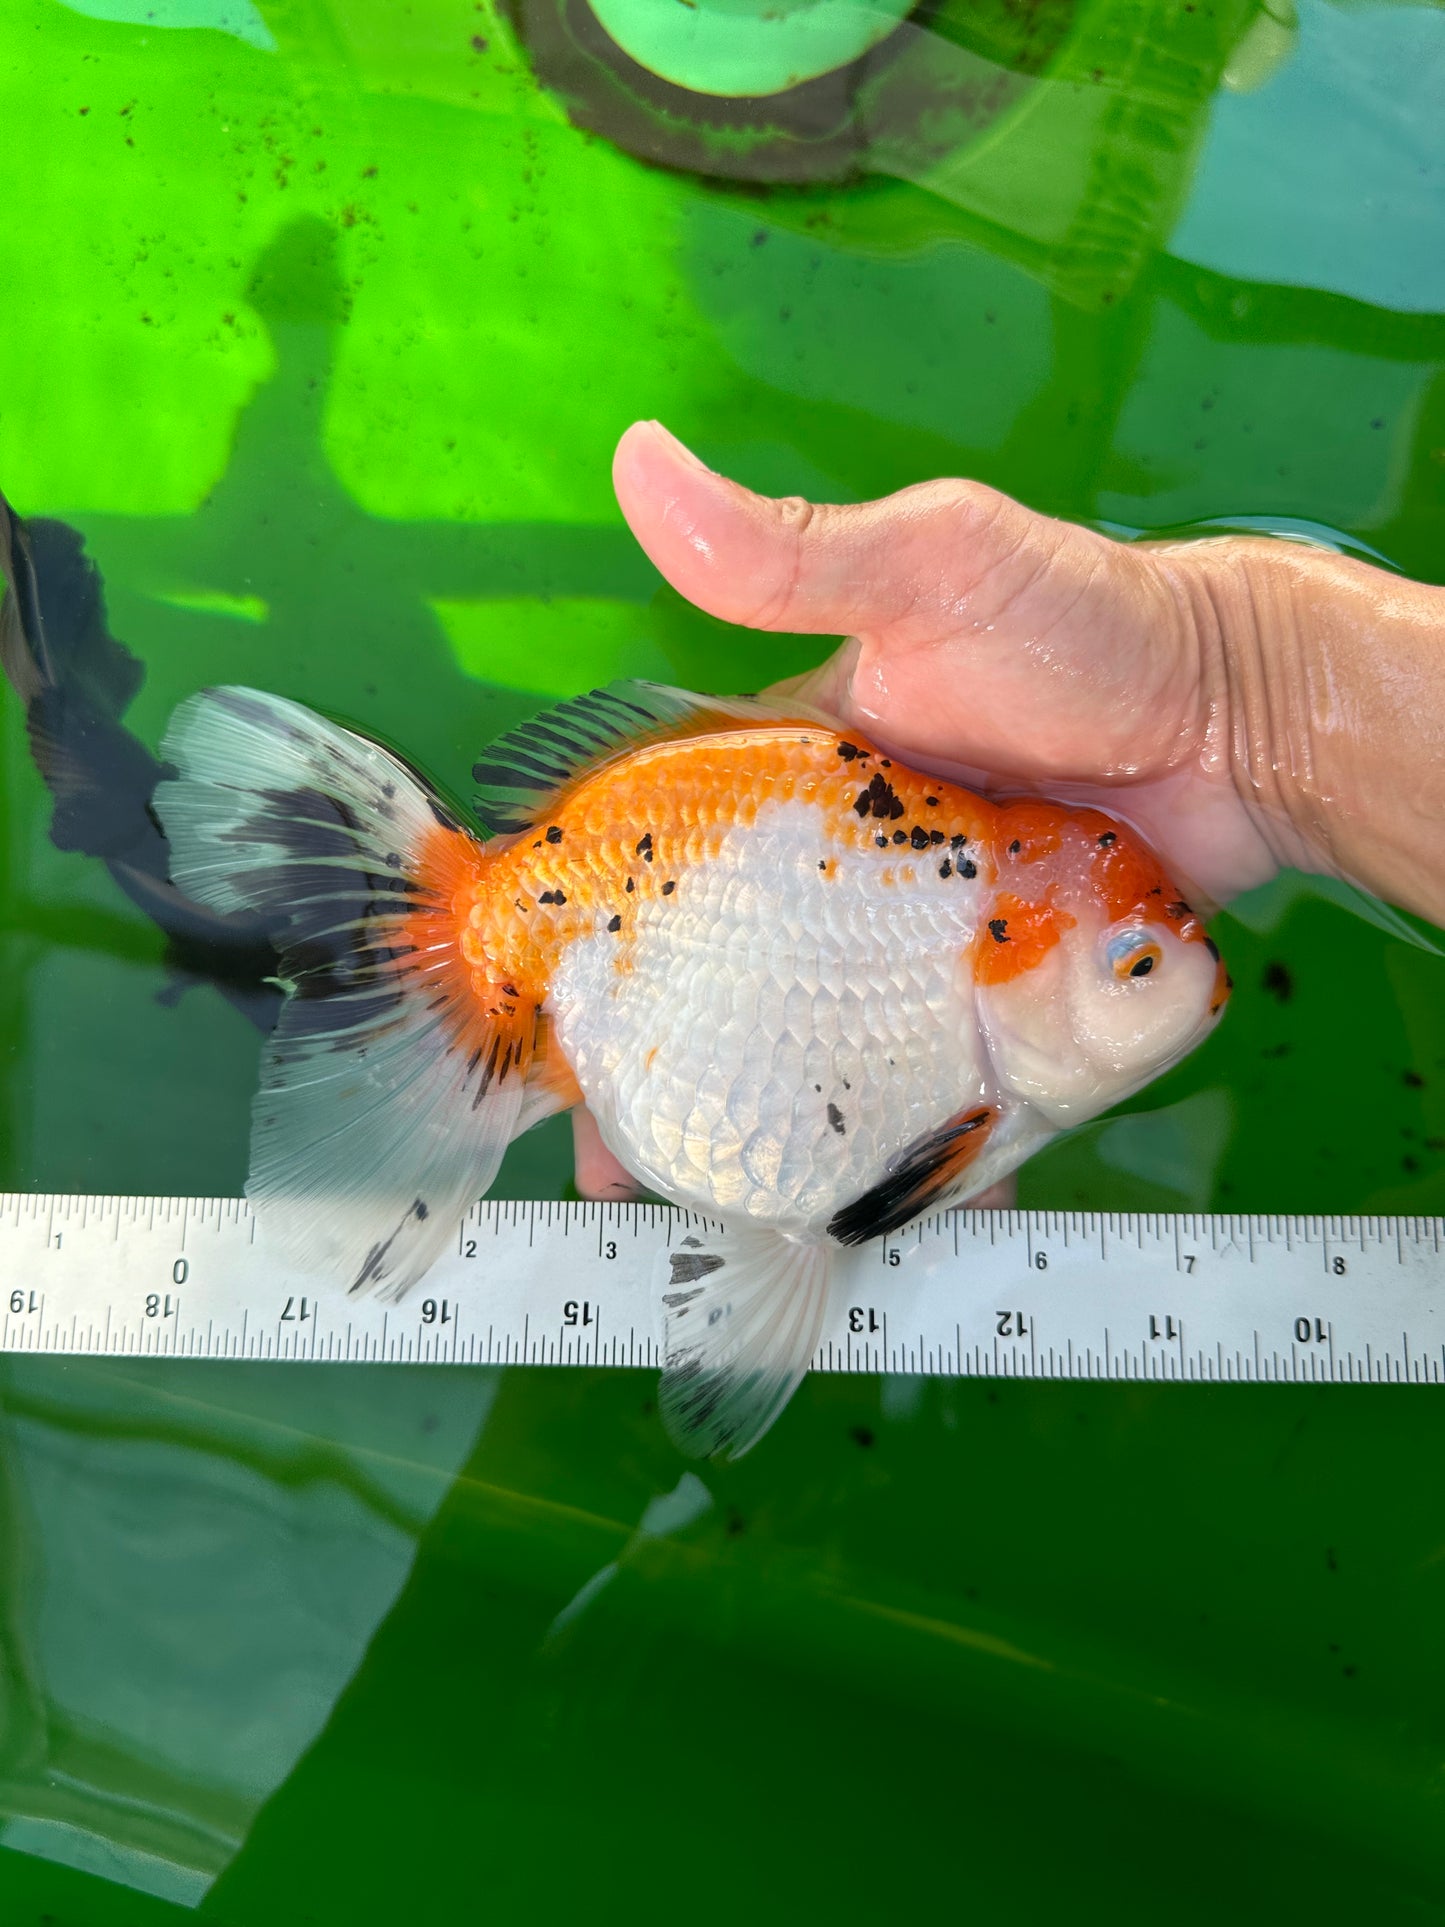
{"x":681,"y":448}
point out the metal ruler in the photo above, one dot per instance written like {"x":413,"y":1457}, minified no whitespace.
{"x":962,"y":1293}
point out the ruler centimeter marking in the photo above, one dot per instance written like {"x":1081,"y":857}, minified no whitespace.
{"x":1013,"y":1294}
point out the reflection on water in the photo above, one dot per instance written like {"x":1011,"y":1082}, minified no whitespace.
{"x":189,"y":1582}
{"x":322,"y":322}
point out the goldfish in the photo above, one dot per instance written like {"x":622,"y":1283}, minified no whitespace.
{"x":804,"y":989}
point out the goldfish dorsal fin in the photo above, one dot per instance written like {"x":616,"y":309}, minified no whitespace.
{"x":521,"y":773}
{"x":743,"y":1316}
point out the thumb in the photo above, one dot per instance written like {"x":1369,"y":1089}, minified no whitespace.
{"x":898,"y":565}
{"x":984,"y":634}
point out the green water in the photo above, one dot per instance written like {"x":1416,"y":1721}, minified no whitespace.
{"x":319,"y":321}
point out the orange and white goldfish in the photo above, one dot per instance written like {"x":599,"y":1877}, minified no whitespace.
{"x":799,"y":985}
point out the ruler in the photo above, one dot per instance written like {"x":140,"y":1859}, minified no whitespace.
{"x":1015,"y":1294}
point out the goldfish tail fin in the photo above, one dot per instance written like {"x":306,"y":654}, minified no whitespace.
{"x":743,"y":1316}
{"x":393,"y":1081}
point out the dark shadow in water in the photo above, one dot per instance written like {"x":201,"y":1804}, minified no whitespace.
{"x":345,"y":593}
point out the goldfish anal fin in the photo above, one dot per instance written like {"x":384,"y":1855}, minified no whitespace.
{"x":918,"y":1178}
{"x":742,"y":1319}
{"x":522,"y":772}
{"x":390,"y":1088}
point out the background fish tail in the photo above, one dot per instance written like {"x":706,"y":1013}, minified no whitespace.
{"x":76,"y":682}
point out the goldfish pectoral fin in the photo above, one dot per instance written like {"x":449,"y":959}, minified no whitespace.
{"x":389,"y":1089}
{"x":743,"y":1316}
{"x":922,"y":1174}
{"x":522,"y":772}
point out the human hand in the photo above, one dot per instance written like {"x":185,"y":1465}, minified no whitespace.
{"x":1224,"y":696}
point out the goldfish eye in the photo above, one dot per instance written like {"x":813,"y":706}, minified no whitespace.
{"x":1133,"y":953}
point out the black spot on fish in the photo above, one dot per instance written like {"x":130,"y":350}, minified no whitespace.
{"x":552,"y":896}
{"x":1015,"y":847}
{"x":879,"y":799}
{"x":644,"y":848}
{"x":393,"y":861}
{"x":616,"y":924}
{"x":900,"y":836}
{"x":919,"y":837}
{"x":931,"y":801}
{"x":935,"y":836}
{"x":668,"y":887}
{"x":420,"y":1211}
{"x":998,"y":929}
{"x":945,"y":869}
{"x":1177,"y":909}
{"x":1212,"y":947}
{"x":689,"y":1266}
{"x":835,"y":1118}
{"x":847,"y":751}
{"x":1106,"y":839}
{"x":554,"y":835}
{"x":881,"y":841}
{"x":630,"y":886}
{"x":968,"y":868}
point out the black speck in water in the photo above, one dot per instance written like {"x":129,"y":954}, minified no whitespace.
{"x":1278,"y":981}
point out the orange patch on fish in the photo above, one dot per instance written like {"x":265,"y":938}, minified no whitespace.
{"x":1017,"y":936}
{"x":625,"y":833}
{"x":1030,"y":831}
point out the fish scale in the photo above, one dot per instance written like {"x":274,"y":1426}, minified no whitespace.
{"x":659,"y":1071}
